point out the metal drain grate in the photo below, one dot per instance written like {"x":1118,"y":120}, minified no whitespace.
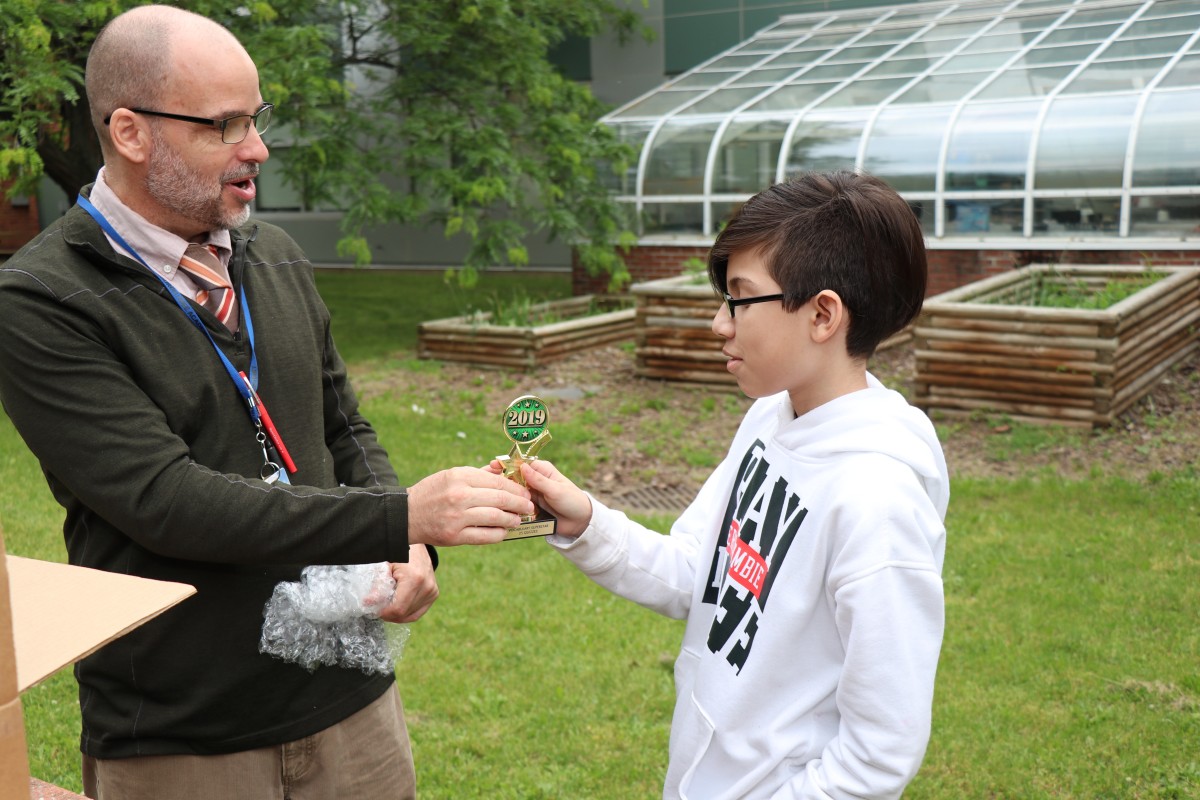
{"x":651,"y":499}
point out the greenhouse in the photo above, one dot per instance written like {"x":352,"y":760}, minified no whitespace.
{"x":1037,"y":121}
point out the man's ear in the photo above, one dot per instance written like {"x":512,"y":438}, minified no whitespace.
{"x":830,"y":315}
{"x":130,"y":136}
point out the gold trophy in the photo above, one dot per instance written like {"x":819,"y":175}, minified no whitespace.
{"x":525,"y":422}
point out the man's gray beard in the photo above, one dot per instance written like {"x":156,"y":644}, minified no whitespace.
{"x":177,"y":188}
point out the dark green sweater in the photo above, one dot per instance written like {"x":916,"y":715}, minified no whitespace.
{"x":148,"y":446}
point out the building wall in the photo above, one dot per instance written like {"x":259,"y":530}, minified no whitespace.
{"x":948,"y":269}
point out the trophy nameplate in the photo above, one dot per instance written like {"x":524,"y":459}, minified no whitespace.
{"x":525,"y":422}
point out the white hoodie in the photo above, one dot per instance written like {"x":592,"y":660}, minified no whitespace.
{"x":808,"y":660}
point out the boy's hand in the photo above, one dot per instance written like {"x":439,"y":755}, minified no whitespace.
{"x":559,"y":496}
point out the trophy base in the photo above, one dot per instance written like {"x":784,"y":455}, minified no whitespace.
{"x":543,"y":524}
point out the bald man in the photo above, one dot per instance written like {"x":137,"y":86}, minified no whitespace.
{"x":138,"y":329}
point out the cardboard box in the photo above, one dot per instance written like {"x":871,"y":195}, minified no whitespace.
{"x":52,"y":615}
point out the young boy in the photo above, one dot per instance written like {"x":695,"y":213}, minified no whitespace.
{"x":808,"y":568}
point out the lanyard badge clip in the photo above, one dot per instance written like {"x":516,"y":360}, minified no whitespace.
{"x":268,"y":438}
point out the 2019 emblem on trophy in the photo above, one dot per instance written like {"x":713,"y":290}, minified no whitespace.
{"x":525,"y":425}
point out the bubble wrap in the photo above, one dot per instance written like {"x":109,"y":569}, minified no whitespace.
{"x":330,"y":617}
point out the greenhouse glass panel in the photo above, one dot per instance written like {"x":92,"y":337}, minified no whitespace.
{"x":1136,"y":48}
{"x":724,"y":100}
{"x":1186,"y":72}
{"x":1083,"y":142}
{"x":921,"y":48}
{"x":1168,"y":149}
{"x":1061,"y":217}
{"x":1163,"y":26}
{"x":672,"y":218}
{"x":796,"y":58}
{"x":760,"y":47}
{"x":1095,"y":16}
{"x":882,"y":36}
{"x":1116,"y":76}
{"x":955,"y":31}
{"x":973,"y":10}
{"x":924,"y":209}
{"x":973,"y":63}
{"x":908,"y":67}
{"x":676,"y":163}
{"x":825,"y":42}
{"x":1023,"y":29}
{"x":989,"y":146}
{"x":735,"y":63}
{"x":701,"y":80}
{"x":863,"y":92}
{"x":659,"y":103}
{"x":917,"y":15}
{"x":787,"y":31}
{"x":1167,"y":8}
{"x":1014,"y":83}
{"x":764,"y":77}
{"x":1173,"y":216}
{"x":860,"y":55}
{"x":1069,"y":55}
{"x":748,"y":157}
{"x":827,"y":72}
{"x":1087,"y":33}
{"x":904,"y":147}
{"x":1008,"y":42}
{"x":942,"y":88}
{"x":827,"y":141}
{"x":791,"y":98}
{"x":974,"y":218}
{"x":633,"y":134}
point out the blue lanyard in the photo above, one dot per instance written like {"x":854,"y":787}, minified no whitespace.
{"x":245,"y":391}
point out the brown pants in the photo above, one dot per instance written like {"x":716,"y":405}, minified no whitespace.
{"x":365,"y":755}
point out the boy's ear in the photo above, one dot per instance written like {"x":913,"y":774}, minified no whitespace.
{"x":830,"y":315}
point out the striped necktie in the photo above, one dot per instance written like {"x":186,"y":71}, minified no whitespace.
{"x":216,"y":292}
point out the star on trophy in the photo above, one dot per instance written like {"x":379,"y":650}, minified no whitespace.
{"x":525,"y":422}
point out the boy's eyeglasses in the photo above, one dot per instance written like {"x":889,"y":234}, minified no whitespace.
{"x":234,"y":130}
{"x":732,"y":304}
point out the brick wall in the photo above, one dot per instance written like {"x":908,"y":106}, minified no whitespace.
{"x":645,"y":264}
{"x":948,"y":269}
{"x":18,"y":224}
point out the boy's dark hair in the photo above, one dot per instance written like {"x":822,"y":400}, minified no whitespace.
{"x":843,"y":231}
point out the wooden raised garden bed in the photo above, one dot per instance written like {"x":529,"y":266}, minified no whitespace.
{"x":474,"y":339}
{"x":674,"y":334}
{"x":675,"y":341}
{"x":985,"y":348}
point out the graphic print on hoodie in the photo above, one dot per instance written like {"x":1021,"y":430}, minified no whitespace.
{"x":761,"y":521}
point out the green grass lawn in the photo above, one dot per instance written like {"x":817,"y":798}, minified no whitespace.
{"x":1071,"y":667}
{"x":376,"y":312}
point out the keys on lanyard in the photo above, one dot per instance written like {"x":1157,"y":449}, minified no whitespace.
{"x":268,"y":438}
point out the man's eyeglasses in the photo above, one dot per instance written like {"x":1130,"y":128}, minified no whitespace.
{"x":732,"y":304}
{"x":233,"y":129}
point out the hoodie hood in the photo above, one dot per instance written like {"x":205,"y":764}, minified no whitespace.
{"x":872,"y":420}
